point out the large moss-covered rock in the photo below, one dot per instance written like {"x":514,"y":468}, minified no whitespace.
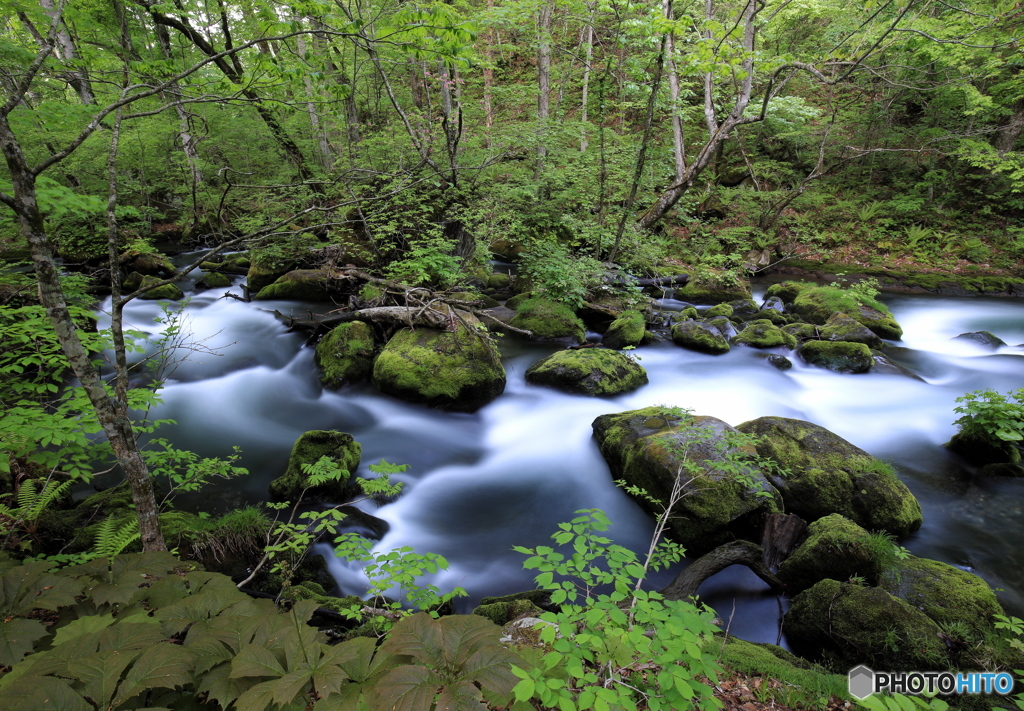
{"x":146,"y":263}
{"x":981,"y":451}
{"x":764,"y":334}
{"x":458,"y":370}
{"x":345,"y":355}
{"x":841,"y":327}
{"x":846,"y":625}
{"x":167,"y":291}
{"x":260,"y":275}
{"x":654,"y":447}
{"x":627,"y":330}
{"x":713,"y":288}
{"x":550,"y":320}
{"x":700,"y":336}
{"x":821,"y":473}
{"x":961,"y":602}
{"x":298,"y":285}
{"x":817,"y":305}
{"x":213,"y":280}
{"x":308,"y":449}
{"x":588,"y":371}
{"x":840,"y":356}
{"x":835,"y":548}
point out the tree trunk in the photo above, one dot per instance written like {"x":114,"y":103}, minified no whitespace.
{"x":1007,"y":137}
{"x":678,"y":145}
{"x":185,"y":137}
{"x":742,"y":552}
{"x":319,"y":133}
{"x":112,"y":416}
{"x":588,"y":54}
{"x":68,"y":53}
{"x":543,"y":84}
{"x":488,"y":80}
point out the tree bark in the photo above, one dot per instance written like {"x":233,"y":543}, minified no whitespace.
{"x":588,"y":58}
{"x":742,"y":552}
{"x":543,"y":84}
{"x":1007,"y":137}
{"x":68,"y":53}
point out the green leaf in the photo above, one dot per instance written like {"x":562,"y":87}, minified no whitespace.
{"x":83,"y":625}
{"x":17,"y":638}
{"x":101,"y":672}
{"x":163,"y":666}
{"x":43,"y":693}
{"x":255,"y":660}
{"x":406,"y":688}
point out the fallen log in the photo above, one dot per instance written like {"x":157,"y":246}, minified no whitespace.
{"x":737,"y":552}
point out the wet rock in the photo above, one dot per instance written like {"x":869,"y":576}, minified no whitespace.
{"x":835,"y":548}
{"x":588,"y":371}
{"x":458,"y":370}
{"x":345,"y":355}
{"x":167,"y":291}
{"x":308,"y":449}
{"x":713,"y":288}
{"x":846,"y":625}
{"x":146,"y":263}
{"x":763,"y":334}
{"x":817,"y":305}
{"x":654,"y":447}
{"x":780,"y":361}
{"x":821,"y":474}
{"x":773,"y":303}
{"x":700,"y":336}
{"x":213,"y":280}
{"x":840,"y":356}
{"x":841,"y":327}
{"x":298,"y":285}
{"x":985,"y":339}
{"x":961,"y":602}
{"x":980,"y":450}
{"x":627,"y":330}
{"x":549,"y":320}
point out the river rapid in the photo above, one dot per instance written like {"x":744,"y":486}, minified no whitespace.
{"x":506,"y":475}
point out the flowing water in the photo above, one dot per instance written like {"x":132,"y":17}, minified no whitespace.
{"x":507,"y":475}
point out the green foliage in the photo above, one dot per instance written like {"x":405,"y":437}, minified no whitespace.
{"x":428,"y":262}
{"x":992,"y":416}
{"x":900,"y":702}
{"x":621,"y":649}
{"x":558,"y":275}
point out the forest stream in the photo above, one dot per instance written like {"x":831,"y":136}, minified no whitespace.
{"x":508,"y":474}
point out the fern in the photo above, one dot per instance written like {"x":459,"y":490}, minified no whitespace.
{"x":114,"y":534}
{"x":32,"y":501}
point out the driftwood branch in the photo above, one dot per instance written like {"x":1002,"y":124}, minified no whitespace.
{"x":738,"y":552}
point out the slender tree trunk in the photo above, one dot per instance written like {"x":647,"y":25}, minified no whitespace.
{"x":588,"y":58}
{"x":678,"y":144}
{"x":488,"y":81}
{"x":451,"y":119}
{"x":112,"y":416}
{"x":1007,"y":137}
{"x":323,"y":147}
{"x":185,"y":137}
{"x":543,"y":84}
{"x":68,"y":53}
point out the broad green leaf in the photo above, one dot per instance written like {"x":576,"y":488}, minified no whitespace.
{"x":131,"y":635}
{"x":101,"y":672}
{"x":255,"y":660}
{"x":405,"y":688}
{"x":163,"y":666}
{"x":219,"y":686}
{"x":462,"y":696}
{"x":43,"y":693}
{"x":17,"y":638}
{"x":83,"y":625}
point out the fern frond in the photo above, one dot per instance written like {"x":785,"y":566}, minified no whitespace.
{"x":114,"y":534}
{"x":53,"y":490}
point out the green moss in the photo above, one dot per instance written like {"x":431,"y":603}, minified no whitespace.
{"x":498,"y":281}
{"x":297,"y":285}
{"x":549,"y":320}
{"x":501,"y":613}
{"x":776,"y":317}
{"x":588,"y":371}
{"x":840,"y":356}
{"x":847,"y":625}
{"x":689,"y":313}
{"x":314,"y":591}
{"x":345,"y":355}
{"x":835,"y":548}
{"x":627,"y":330}
{"x":458,"y":370}
{"x":719,"y":310}
{"x":308,"y":449}
{"x":652,"y":447}
{"x":805,"y":685}
{"x":819,"y":303}
{"x":821,"y":473}
{"x":371,"y":292}
{"x":788,"y":290}
{"x":260,"y":276}
{"x":841,"y":327}
{"x":713,"y":288}
{"x":471,"y":296}
{"x":953,"y":598}
{"x":214,"y":280}
{"x":764,"y":334}
{"x":167,"y":291}
{"x":699,"y":336}
{"x":802,"y":331}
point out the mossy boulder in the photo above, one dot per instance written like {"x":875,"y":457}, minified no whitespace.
{"x":213,"y":280}
{"x":516,"y":301}
{"x":713,"y":288}
{"x":549,"y":320}
{"x":802,"y":331}
{"x":588,"y":371}
{"x":960,"y":602}
{"x":763,"y":334}
{"x":776,"y":317}
{"x":821,"y":473}
{"x":845,"y":625}
{"x":471,"y":296}
{"x":840,"y":356}
{"x":719,"y":310}
{"x":501,"y":613}
{"x":817,"y":305}
{"x":498,"y":281}
{"x":725,"y":494}
{"x":835,"y":548}
{"x":146,"y":263}
{"x":168,"y":291}
{"x":308,"y":449}
{"x":261,"y":275}
{"x":787,"y":291}
{"x":841,"y":327}
{"x":298,"y":285}
{"x":981,"y":451}
{"x":627,"y":330}
{"x":345,"y":355}
{"x":451,"y":370}
{"x":700,"y":336}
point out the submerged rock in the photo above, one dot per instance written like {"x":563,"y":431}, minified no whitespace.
{"x":699,"y":336}
{"x":167,"y":291}
{"x":981,"y":451}
{"x":847,"y":624}
{"x":780,"y":361}
{"x":458,"y":370}
{"x":840,"y":356}
{"x":588,"y":371}
{"x":308,"y":449}
{"x":345,"y":355}
{"x":821,"y":473}
{"x":725,"y":495}
{"x":985,"y":339}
